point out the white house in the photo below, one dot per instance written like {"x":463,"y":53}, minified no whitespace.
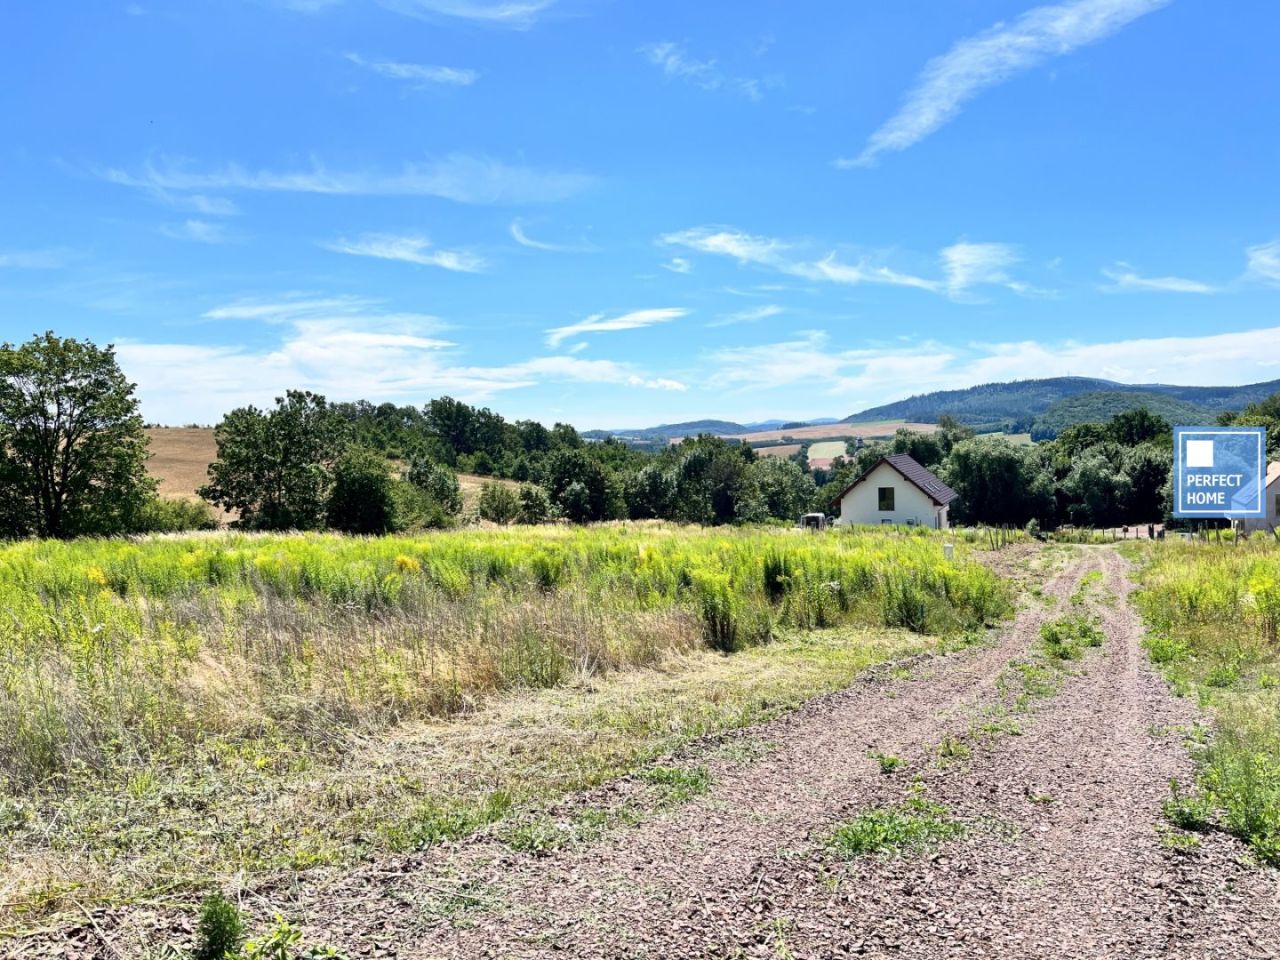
{"x":1272,"y":501}
{"x":897,"y":490}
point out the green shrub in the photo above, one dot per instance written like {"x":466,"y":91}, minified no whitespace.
{"x":220,"y":931}
{"x":174,"y":515}
{"x":361,"y":498}
{"x":499,"y":503}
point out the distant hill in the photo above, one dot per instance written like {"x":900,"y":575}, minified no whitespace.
{"x":691,"y":428}
{"x":1015,"y":405}
{"x":1099,"y":406}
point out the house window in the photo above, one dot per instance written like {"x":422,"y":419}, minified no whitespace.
{"x":886,"y":498}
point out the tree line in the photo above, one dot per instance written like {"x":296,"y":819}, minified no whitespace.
{"x":73,"y":454}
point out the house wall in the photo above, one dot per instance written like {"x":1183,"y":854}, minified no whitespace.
{"x":1273,"y":518}
{"x":911,"y":505}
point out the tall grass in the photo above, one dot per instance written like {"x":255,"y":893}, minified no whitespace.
{"x":1213,"y":611}
{"x":119,"y":649}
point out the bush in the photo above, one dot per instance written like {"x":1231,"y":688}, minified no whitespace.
{"x":361,"y":500}
{"x":499,"y":503}
{"x":172,"y":515}
{"x":535,"y":505}
{"x":439,"y":483}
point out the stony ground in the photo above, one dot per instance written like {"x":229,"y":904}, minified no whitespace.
{"x":1057,"y":787}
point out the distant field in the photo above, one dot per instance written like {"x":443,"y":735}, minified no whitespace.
{"x":180,"y":458}
{"x":785,"y":450}
{"x":827,"y":450}
{"x":836,"y":431}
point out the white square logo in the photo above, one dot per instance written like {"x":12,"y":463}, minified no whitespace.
{"x":1199,"y":453}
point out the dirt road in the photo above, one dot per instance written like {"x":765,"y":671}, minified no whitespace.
{"x":1058,"y":793}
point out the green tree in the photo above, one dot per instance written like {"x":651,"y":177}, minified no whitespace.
{"x":275,"y":468}
{"x":535,"y":505}
{"x":997,"y":483}
{"x":439,"y":483}
{"x":784,"y":489}
{"x":72,"y":446}
{"x":499,"y":503}
{"x":361,"y":500}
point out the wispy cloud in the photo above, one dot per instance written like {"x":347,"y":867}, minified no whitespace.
{"x":964,"y":265}
{"x":417,"y":75}
{"x":1264,"y":262}
{"x":50,"y":259}
{"x":599,"y":323}
{"x":199,"y":231}
{"x":517,"y":14}
{"x":1125,"y":279}
{"x":977,"y":63}
{"x":672,"y":59}
{"x":408,"y":248}
{"x":678,"y":265}
{"x":751,"y":315}
{"x":459,"y":177}
{"x":520,"y":236}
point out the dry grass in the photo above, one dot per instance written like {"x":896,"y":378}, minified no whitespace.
{"x":786,"y":450}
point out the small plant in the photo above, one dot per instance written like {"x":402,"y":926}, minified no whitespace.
{"x":953,"y":749}
{"x":1188,"y":810}
{"x":220,"y":931}
{"x":888,"y":762}
{"x":1179,"y":841}
{"x":678,"y":784}
{"x":1067,"y":638}
{"x":915,"y":825}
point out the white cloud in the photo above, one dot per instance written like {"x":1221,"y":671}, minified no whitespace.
{"x":200,"y":231}
{"x":411,"y":248}
{"x":977,"y":63}
{"x":599,"y":323}
{"x":1264,"y":262}
{"x":419,"y":75}
{"x":964,"y":265}
{"x":674,"y":62}
{"x":519,"y":235}
{"x":459,"y":177}
{"x":345,"y":348}
{"x":518,"y":14}
{"x":878,"y":374}
{"x":33,"y":259}
{"x":751,"y":315}
{"x":678,"y":265}
{"x":1125,"y":279}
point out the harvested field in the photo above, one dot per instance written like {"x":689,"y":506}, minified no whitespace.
{"x":785,"y":450}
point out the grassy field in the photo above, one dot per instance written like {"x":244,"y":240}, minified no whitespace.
{"x":179,"y":711}
{"x":180,"y":458}
{"x":1214,"y":611}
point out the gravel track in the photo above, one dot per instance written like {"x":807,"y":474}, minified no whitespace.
{"x":744,"y":872}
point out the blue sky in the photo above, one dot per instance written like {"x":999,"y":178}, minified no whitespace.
{"x":620,"y":213}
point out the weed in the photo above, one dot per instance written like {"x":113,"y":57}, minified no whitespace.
{"x":1179,"y":841}
{"x":888,"y":762}
{"x":1068,"y":637}
{"x":1188,"y":810}
{"x":220,"y":931}
{"x":677,"y":785}
{"x":953,"y":749}
{"x":915,"y":825}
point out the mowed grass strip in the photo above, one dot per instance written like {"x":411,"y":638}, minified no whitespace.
{"x":228,"y":814}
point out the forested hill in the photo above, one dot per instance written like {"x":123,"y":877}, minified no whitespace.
{"x":1099,"y":406}
{"x":1015,"y":405}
